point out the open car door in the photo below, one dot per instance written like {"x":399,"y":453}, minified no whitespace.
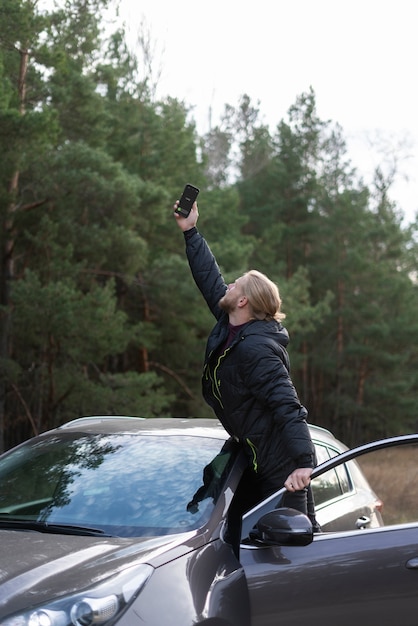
{"x":367,"y":575}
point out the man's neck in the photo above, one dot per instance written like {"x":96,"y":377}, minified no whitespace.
{"x":239,"y":317}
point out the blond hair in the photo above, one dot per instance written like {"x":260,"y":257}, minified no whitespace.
{"x":263,"y":296}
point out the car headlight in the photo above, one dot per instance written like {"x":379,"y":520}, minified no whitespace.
{"x":96,"y":606}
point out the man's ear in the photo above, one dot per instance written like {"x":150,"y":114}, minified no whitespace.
{"x":243,"y":301}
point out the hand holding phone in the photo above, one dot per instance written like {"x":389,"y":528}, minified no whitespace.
{"x":188,"y":198}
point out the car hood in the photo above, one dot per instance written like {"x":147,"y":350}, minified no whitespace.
{"x":36,"y":567}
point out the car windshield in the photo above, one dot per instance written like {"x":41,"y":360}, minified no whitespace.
{"x":121,"y":484}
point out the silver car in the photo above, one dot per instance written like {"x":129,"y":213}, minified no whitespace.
{"x":343,"y":497}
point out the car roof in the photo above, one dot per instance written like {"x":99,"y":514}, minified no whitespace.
{"x":103,"y":424}
{"x":320,"y":434}
{"x":198,"y":426}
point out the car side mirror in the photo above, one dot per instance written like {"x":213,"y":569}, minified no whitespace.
{"x":283,"y":527}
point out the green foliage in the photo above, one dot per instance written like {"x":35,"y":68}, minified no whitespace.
{"x":65,"y":323}
{"x":99,"y":313}
{"x":133,"y":394}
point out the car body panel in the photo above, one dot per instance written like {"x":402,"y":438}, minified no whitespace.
{"x":203,"y":581}
{"x":206,"y":585}
{"x":36,"y":564}
{"x":341,"y":578}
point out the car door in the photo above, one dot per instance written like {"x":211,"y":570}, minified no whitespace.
{"x":365,"y":576}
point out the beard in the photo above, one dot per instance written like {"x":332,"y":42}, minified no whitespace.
{"x":228,"y":302}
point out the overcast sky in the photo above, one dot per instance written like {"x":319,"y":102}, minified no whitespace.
{"x":359,"y":56}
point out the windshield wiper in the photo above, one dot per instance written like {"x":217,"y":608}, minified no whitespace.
{"x":44,"y":527}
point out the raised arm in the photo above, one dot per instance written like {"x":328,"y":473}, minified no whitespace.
{"x":203,"y":265}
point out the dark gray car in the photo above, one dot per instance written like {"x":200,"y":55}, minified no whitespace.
{"x":125,"y":521}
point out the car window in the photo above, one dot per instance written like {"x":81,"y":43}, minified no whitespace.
{"x":344,"y":479}
{"x":384,"y":490}
{"x":125,"y":484}
{"x":332,"y":484}
{"x":322,"y":453}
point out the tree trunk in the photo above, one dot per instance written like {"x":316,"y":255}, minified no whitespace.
{"x":7,"y":268}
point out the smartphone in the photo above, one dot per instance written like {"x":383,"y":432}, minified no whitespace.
{"x":187,"y":199}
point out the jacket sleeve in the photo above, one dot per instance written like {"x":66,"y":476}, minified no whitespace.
{"x":205,"y":270}
{"x":268,"y":379}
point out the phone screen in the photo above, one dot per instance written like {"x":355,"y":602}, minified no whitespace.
{"x":188,"y":197}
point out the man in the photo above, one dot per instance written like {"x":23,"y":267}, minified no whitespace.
{"x":246,"y":377}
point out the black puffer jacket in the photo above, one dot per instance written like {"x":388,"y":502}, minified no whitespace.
{"x":249,"y":386}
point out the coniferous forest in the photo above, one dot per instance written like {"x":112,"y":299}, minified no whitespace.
{"x":99,"y":313}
